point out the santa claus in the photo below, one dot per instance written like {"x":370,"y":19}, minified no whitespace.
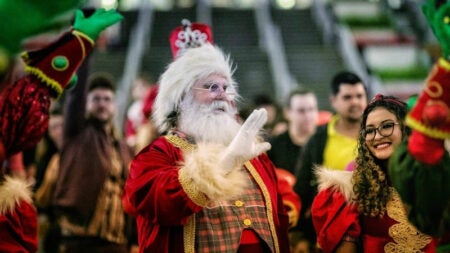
{"x":206,"y":185}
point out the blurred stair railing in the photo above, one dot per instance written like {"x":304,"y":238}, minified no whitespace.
{"x":138,"y":37}
{"x":354,"y":62}
{"x":203,"y":12}
{"x":270,"y":40}
{"x":341,"y":36}
{"x":324,"y":21}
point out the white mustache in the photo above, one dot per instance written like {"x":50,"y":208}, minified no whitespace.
{"x":220,"y":105}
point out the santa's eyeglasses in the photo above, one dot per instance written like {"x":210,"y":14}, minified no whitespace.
{"x":216,"y":89}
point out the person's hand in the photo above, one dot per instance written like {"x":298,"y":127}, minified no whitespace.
{"x":293,"y":218}
{"x":245,"y":144}
{"x":437,"y":13}
{"x":92,"y":26}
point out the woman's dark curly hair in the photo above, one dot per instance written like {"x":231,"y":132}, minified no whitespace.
{"x":370,"y":182}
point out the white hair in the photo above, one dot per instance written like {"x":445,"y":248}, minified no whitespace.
{"x":180,"y":76}
{"x":201,"y":122}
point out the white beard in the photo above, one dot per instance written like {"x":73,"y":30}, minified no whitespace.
{"x":205,"y":124}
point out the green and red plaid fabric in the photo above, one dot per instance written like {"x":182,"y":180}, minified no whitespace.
{"x":219,"y":226}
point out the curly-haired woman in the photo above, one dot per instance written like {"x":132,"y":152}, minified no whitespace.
{"x":359,"y":210}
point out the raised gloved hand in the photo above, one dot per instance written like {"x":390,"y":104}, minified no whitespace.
{"x":93,"y":25}
{"x":246,"y":144}
{"x":429,"y":118}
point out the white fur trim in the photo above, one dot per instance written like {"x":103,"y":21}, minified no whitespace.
{"x":337,"y":180}
{"x":12,"y":191}
{"x":208,"y":176}
{"x":182,"y":73}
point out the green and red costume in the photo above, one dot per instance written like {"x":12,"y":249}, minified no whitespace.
{"x":24,"y":110}
{"x":420,"y":167}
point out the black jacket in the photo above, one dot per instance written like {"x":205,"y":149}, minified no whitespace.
{"x":306,"y":184}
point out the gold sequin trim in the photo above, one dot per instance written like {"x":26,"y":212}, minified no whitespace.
{"x":189,"y":235}
{"x":189,"y":227}
{"x":434,"y":89}
{"x":406,"y":237}
{"x":180,"y":143}
{"x":197,"y":197}
{"x":186,"y":182}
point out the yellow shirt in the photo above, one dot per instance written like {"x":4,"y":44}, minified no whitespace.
{"x":339,"y":150}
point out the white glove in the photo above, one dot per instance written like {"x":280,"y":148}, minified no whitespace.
{"x":246,"y":144}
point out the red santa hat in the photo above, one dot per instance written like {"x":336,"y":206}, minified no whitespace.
{"x":194,"y":64}
{"x":189,"y":35}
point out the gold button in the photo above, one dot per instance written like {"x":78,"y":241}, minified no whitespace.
{"x":239,"y":203}
{"x":247,"y":222}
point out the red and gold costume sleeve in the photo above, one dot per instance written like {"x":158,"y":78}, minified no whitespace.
{"x":154,"y":185}
{"x":333,"y":218}
{"x":430,"y":117}
{"x":154,"y":194}
{"x":420,"y":167}
{"x":18,"y":217}
{"x":423,"y":188}
{"x":18,"y":229}
{"x":24,"y":105}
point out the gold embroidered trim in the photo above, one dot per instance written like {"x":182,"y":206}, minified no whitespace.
{"x":406,"y":237}
{"x":186,"y":182}
{"x":268,"y":201}
{"x":189,"y":235}
{"x":180,"y":142}
{"x":79,"y":35}
{"x":197,"y":197}
{"x":189,"y":227}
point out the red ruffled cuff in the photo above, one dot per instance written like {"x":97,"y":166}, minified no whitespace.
{"x":425,"y":149}
{"x":333,"y":218}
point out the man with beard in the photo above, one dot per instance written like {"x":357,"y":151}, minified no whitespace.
{"x":93,"y":168}
{"x":334,"y":144}
{"x":205,"y":185}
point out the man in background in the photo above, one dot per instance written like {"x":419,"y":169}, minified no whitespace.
{"x":334,"y":144}
{"x":93,"y":166}
{"x":301,"y":111}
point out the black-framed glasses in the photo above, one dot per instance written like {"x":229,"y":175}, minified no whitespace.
{"x":385,"y":129}
{"x":216,"y":89}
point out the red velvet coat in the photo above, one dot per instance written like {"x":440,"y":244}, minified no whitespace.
{"x":335,"y":215}
{"x":163,"y":207}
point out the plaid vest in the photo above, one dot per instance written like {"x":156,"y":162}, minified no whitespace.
{"x":220,"y":224}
